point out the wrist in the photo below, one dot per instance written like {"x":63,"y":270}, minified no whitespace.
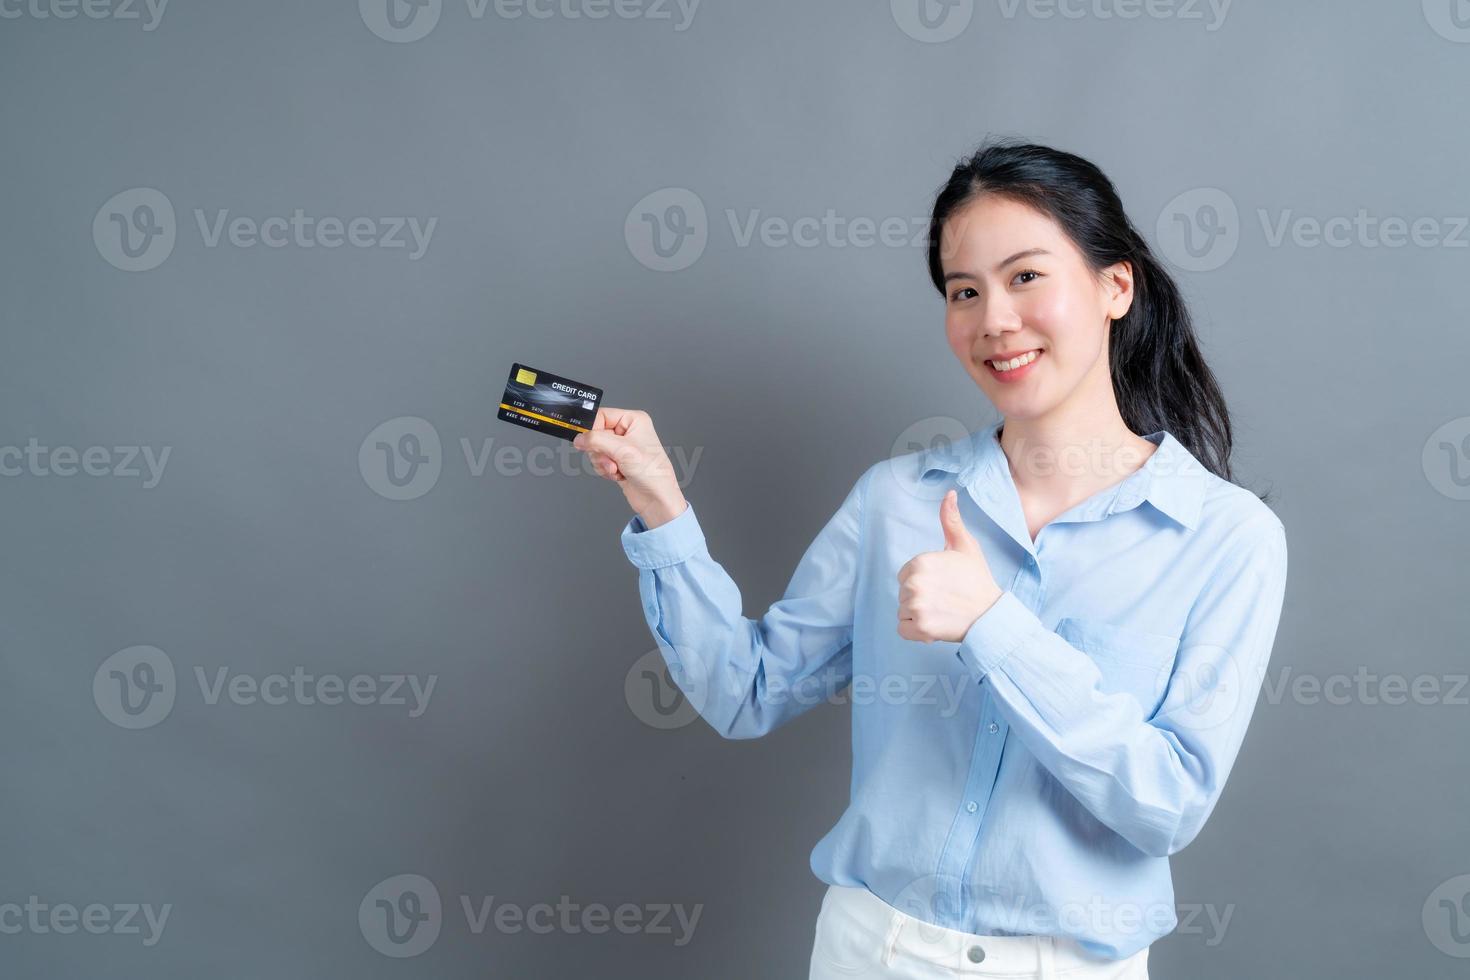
{"x":987,"y":602}
{"x":661,"y":512}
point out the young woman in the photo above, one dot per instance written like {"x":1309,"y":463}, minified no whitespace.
{"x":1082,"y":574}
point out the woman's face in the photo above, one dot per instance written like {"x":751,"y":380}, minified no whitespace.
{"x":1016,"y":285}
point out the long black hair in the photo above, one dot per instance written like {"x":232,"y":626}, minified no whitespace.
{"x":1160,"y":378}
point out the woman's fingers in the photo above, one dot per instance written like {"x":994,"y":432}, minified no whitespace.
{"x":618,"y":420}
{"x":602,"y":464}
{"x":616,"y":440}
{"x":625,"y":449}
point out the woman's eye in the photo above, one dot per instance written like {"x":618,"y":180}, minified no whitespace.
{"x":1027,"y":272}
{"x":959,"y":294}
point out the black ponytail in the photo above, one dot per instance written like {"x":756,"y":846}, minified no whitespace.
{"x":1160,"y":378}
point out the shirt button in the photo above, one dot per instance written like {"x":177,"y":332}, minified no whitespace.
{"x":971,"y":807}
{"x":976,"y":954}
{"x":994,"y":728}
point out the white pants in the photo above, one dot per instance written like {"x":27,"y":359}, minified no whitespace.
{"x":860,"y":936}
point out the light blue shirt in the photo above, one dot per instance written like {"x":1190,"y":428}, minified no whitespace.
{"x":1034,"y":778}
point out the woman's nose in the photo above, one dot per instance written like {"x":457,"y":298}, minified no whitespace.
{"x":999,"y":320}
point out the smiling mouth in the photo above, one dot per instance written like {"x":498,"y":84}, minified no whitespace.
{"x":1012,"y":369}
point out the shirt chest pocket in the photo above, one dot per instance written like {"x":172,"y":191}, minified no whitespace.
{"x":1131,"y":661}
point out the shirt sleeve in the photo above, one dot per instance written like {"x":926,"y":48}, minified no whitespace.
{"x":745,"y":676}
{"x":1152,"y":780}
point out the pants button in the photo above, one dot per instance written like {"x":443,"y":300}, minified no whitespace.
{"x":976,"y":954}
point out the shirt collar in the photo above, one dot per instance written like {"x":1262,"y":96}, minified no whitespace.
{"x":1171,"y":479}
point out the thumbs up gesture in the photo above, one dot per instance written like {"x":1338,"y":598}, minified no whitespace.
{"x":942,"y":593}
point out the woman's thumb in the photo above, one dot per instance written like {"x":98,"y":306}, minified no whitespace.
{"x":595,"y":440}
{"x":956,"y":536}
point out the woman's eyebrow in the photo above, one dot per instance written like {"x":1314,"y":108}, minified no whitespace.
{"x":1020,"y":255}
{"x":1025,"y":254}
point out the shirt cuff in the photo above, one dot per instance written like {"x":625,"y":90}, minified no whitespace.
{"x":999,"y":632}
{"x":668,"y":544}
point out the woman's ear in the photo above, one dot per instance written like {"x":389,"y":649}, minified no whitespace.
{"x":1118,"y":289}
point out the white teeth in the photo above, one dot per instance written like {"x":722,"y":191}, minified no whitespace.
{"x":1016,"y":362}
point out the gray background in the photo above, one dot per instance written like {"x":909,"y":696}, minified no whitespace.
{"x":265,"y":546}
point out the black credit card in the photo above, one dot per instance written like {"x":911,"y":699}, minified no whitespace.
{"x":548,"y":402}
